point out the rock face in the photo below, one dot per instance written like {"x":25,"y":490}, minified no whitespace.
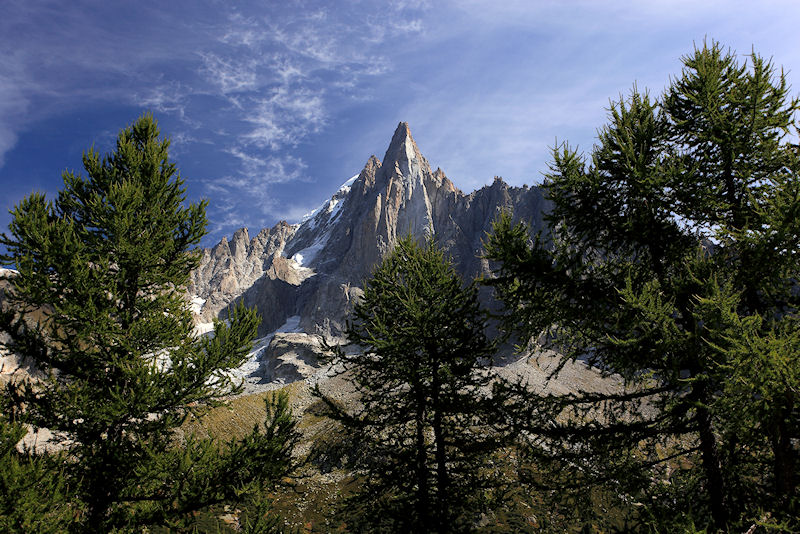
{"x":13,"y":367}
{"x":289,"y":357}
{"x":315,"y":269}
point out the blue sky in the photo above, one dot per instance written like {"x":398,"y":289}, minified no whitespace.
{"x":271,"y":105}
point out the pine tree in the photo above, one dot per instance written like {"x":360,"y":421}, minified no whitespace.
{"x":98,"y":305}
{"x":422,"y":427}
{"x":673,"y":264}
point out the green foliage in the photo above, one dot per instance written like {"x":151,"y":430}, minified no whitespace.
{"x":33,"y":495}
{"x":423,"y":424}
{"x":105,"y":267}
{"x":673,"y":264}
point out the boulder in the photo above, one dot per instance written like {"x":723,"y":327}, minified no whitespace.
{"x":290,"y":357}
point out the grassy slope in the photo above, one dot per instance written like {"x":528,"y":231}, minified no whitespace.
{"x":306,"y":501}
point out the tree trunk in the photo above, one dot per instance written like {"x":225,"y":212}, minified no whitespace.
{"x":442,"y":479}
{"x":731,"y":195}
{"x":784,"y":455}
{"x":423,"y":492}
{"x":712,"y":467}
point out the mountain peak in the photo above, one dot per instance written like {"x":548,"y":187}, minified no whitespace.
{"x":400,"y":145}
{"x":314,"y":270}
{"x":403,"y":153}
{"x":401,"y":133}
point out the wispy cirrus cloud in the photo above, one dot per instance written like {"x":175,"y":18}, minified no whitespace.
{"x":251,"y":188}
{"x":269,"y":169}
{"x":284,"y":117}
{"x":230,"y":74}
{"x":13,"y":106}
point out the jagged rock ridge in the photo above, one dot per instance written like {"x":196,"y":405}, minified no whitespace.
{"x":314,"y":270}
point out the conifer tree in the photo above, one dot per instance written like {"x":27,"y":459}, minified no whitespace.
{"x":98,"y":305}
{"x":422,"y":427}
{"x":674,"y":264}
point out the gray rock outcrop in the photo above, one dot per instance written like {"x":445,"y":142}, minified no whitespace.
{"x":289,"y":357}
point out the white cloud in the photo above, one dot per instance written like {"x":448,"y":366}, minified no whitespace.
{"x":408,"y":26}
{"x":287,"y":70}
{"x":14,"y":103}
{"x":402,"y":5}
{"x":285,"y":117}
{"x":8,"y":138}
{"x":9,"y":116}
{"x":256,"y":177}
{"x":166,"y":97}
{"x":246,"y":199}
{"x":260,"y":172}
{"x":242,"y":31}
{"x":293,"y":213}
{"x":230,"y":74}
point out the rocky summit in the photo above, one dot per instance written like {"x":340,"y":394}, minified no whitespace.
{"x":305,"y":277}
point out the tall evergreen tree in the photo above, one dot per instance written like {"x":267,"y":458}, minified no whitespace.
{"x":423,"y":421}
{"x":104,"y":269}
{"x":674,"y":264}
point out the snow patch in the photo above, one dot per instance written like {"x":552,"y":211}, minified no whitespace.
{"x":334,"y":207}
{"x":248,"y":372}
{"x":161,"y":360}
{"x":296,"y":263}
{"x":310,"y":214}
{"x":308,"y":254}
{"x":197,"y":304}
{"x":207,"y":329}
{"x":332,"y":203}
{"x":346,"y":186}
{"x":292,"y":324}
{"x":251,"y":364}
{"x":201,"y":329}
{"x":312,"y":218}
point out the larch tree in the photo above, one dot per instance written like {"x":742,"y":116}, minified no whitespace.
{"x":98,"y":306}
{"x":417,"y":355}
{"x":674,"y":264}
